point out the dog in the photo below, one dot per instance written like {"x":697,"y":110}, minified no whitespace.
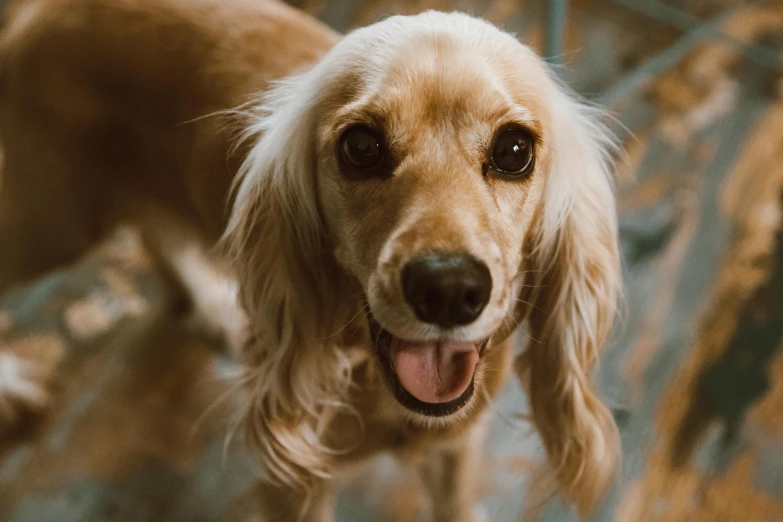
{"x":391,"y":204}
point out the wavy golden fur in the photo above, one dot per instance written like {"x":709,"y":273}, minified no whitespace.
{"x":315,"y":249}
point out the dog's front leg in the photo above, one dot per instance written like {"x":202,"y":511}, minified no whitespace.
{"x":451,"y":476}
{"x":270,"y":503}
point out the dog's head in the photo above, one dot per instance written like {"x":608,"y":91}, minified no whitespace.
{"x":432,"y":167}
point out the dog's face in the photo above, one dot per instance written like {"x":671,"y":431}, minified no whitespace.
{"x":434,"y":162}
{"x":432,"y":158}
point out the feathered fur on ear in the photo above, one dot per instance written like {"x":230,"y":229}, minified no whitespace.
{"x":296,"y":378}
{"x":575,"y":264}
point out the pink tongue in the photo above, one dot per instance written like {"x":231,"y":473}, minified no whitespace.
{"x":434,"y":372}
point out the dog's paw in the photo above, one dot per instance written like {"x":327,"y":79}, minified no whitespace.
{"x":480,"y":515}
{"x":212,"y":298}
{"x":477,"y":514}
{"x":217,"y":315}
{"x":220,"y":328}
{"x":23,"y":390}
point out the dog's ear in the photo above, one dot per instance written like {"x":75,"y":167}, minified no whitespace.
{"x":290,"y":287}
{"x":574,"y":263}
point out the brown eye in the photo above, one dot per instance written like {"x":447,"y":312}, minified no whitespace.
{"x":362,"y":148}
{"x":513,"y":152}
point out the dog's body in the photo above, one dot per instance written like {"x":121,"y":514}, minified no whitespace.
{"x":102,"y":94}
{"x":124,"y":110}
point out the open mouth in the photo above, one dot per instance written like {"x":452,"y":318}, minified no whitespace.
{"x":433,"y":378}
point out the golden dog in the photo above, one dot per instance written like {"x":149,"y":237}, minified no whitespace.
{"x":403,"y":198}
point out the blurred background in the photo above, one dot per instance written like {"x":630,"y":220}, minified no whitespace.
{"x":694,"y":374}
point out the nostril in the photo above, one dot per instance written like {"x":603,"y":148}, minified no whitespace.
{"x":472,"y":298}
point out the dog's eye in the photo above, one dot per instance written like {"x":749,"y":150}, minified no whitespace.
{"x":362,"y":148}
{"x":513,"y":152}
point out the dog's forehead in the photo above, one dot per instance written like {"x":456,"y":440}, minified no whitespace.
{"x":438,"y":74}
{"x":440,"y":68}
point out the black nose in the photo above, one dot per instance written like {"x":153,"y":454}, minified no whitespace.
{"x":447,"y":289}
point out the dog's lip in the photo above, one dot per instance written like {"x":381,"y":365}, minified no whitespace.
{"x":382,"y":341}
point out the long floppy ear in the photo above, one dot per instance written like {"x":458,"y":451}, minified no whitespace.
{"x":290,"y":288}
{"x":576,"y":267}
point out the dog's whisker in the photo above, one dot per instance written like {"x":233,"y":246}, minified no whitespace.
{"x":525,"y":272}
{"x":505,"y":322}
{"x":362,"y":309}
{"x":515,"y":320}
{"x":531,"y":305}
{"x":527,"y":334}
